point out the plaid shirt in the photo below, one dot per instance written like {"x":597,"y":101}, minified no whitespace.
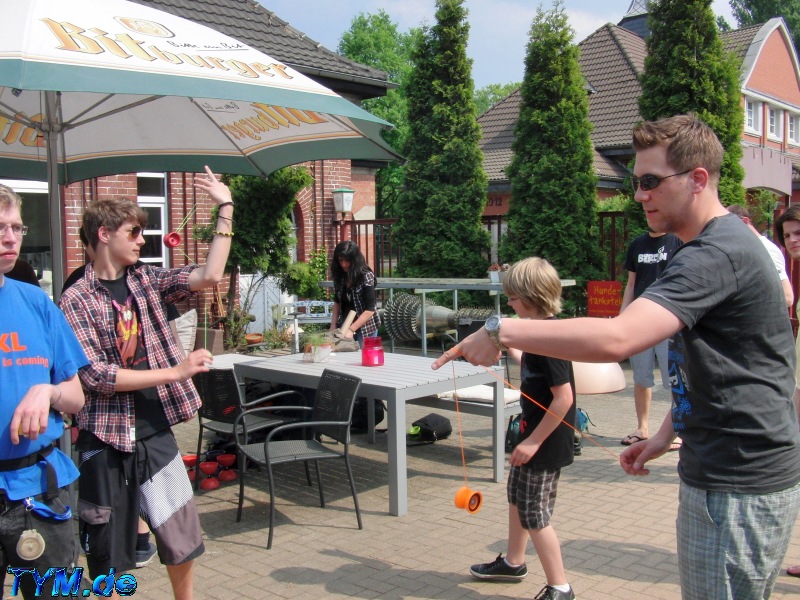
{"x":359,"y":295}
{"x":108,"y":414}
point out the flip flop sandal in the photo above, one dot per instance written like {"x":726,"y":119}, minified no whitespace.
{"x":632,"y":439}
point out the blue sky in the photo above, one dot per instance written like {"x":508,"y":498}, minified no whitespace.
{"x":498,"y":28}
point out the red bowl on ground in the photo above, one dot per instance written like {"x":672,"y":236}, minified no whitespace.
{"x":209,"y":467}
{"x":229,"y":475}
{"x":209,"y":483}
{"x":226,"y":460}
{"x":189,"y":460}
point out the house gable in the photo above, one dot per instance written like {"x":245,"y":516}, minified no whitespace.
{"x":768,"y":62}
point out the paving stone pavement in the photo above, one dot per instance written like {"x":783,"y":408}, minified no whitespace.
{"x":617,"y":532}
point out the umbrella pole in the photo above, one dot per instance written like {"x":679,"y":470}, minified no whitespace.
{"x":54,"y":194}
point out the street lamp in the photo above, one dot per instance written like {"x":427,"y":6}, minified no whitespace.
{"x":343,"y":201}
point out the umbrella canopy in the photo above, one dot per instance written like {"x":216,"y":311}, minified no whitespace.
{"x":93,"y":88}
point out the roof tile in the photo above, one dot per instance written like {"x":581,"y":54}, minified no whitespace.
{"x":262,"y":29}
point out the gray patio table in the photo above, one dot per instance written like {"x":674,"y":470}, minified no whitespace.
{"x":401,"y":379}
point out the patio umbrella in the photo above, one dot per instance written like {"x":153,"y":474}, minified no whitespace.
{"x":92,"y":88}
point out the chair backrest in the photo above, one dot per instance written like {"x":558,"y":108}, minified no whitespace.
{"x":334,"y":401}
{"x":220,"y":395}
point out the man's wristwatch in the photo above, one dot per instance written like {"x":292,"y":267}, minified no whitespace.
{"x":492,"y":327}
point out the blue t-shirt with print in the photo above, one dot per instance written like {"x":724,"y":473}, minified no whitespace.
{"x":36,"y":346}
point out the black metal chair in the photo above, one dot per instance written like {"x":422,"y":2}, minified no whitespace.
{"x":223,"y":400}
{"x":330,"y":416}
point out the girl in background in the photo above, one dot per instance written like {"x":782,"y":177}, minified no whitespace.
{"x":353,"y":289}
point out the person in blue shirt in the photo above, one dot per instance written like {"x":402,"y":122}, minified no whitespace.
{"x":39,"y":362}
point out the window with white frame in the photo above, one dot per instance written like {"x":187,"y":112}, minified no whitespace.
{"x":775,"y":129}
{"x":752,"y":115}
{"x":152,"y":197}
{"x":794,"y":129}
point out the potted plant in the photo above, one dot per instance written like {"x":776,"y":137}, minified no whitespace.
{"x":497,"y":272}
{"x":317,"y":346}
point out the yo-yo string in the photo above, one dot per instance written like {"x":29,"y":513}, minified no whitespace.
{"x":189,"y":258}
{"x":460,"y":432}
{"x":205,"y":312}
{"x":540,"y":405}
{"x":186,"y":218}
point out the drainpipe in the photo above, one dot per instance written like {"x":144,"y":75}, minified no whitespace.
{"x":322,"y":203}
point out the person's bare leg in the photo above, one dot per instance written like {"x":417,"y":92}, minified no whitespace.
{"x":182,"y":579}
{"x":549,"y":550}
{"x":517,"y":538}
{"x":642,"y":397}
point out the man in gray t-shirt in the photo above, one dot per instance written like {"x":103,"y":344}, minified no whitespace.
{"x":731,"y":368}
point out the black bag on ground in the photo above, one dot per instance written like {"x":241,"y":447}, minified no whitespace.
{"x":432,"y":427}
{"x":359,"y":422}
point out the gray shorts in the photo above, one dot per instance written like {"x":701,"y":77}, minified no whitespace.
{"x":644,"y":363}
{"x":533,"y":492}
{"x":118,"y":487}
{"x":732,"y":545}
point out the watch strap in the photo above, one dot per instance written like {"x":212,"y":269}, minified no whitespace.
{"x":494,"y":335}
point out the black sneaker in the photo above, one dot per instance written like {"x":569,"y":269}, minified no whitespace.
{"x":145,"y":556}
{"x":551,"y":593}
{"x":499,"y":570}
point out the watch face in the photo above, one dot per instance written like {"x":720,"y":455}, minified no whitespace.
{"x":492,"y":323}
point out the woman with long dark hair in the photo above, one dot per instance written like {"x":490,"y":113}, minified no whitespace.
{"x":787,"y":230}
{"x":354,"y":289}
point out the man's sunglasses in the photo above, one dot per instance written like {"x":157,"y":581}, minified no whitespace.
{"x":134,"y":232}
{"x":650,"y":182}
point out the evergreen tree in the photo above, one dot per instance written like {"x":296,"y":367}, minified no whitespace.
{"x":439,"y":225}
{"x":687,"y":70}
{"x":373,"y":39}
{"x":753,"y":12}
{"x":552,"y":211}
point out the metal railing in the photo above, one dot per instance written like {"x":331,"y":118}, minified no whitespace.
{"x":382,"y":252}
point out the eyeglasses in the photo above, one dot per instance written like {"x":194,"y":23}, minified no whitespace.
{"x":17,"y":230}
{"x":650,"y":182}
{"x":134,"y":232}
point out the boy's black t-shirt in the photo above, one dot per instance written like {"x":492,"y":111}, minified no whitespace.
{"x":538,"y":375}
